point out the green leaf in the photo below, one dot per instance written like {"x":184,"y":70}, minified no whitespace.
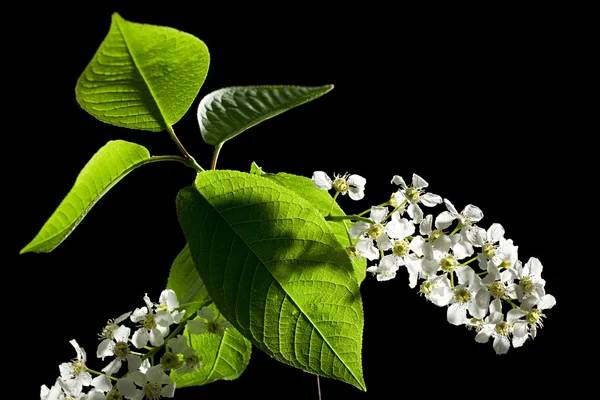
{"x":225,"y":113}
{"x":322,"y":201}
{"x":224,"y":357}
{"x":143,"y":76}
{"x":107,"y":167}
{"x":276,"y":271}
{"x":186,"y":282}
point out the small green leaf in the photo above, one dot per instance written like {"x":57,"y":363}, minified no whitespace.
{"x":143,"y":76}
{"x":323,"y":202}
{"x":107,"y":167}
{"x":255,"y":169}
{"x":224,"y":357}
{"x":225,"y":113}
{"x":276,"y":271}
{"x":186,"y":282}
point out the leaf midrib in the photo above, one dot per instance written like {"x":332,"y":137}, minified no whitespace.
{"x":275,"y":280}
{"x":139,"y":69}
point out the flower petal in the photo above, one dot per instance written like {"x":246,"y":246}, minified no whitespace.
{"x":322,"y":180}
{"x":456,"y":314}
{"x":169,"y":298}
{"x":140,"y":338}
{"x":501,"y":344}
{"x":430,"y":199}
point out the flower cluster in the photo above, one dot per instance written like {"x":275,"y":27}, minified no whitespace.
{"x":440,"y":256}
{"x":141,"y":378}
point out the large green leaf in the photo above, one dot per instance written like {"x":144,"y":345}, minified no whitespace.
{"x":322,"y":201}
{"x":143,"y":76}
{"x":225,"y":113}
{"x":107,"y":167}
{"x":276,"y":271}
{"x":224,"y":357}
{"x":185,"y":280}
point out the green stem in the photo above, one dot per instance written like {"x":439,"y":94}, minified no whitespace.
{"x":482,"y":273}
{"x":468,"y":261}
{"x":394,"y":210}
{"x":99,"y":373}
{"x":348,"y":233}
{"x":350,"y":217}
{"x":456,"y":229}
{"x":451,"y":279}
{"x":509,"y":301}
{"x":213,"y":164}
{"x":183,"y":151}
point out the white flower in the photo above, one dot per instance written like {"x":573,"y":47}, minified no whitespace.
{"x":119,"y":348}
{"x":190,"y":361}
{"x":168,"y":303}
{"x":61,"y":391}
{"x":415,"y":194}
{"x":398,"y":229}
{"x":466,"y":217}
{"x":153,"y":326}
{"x":530,"y":280}
{"x":372,"y":232}
{"x":386,"y":269}
{"x":437,"y":290}
{"x":531,"y":309}
{"x":465,"y":297}
{"x":74,"y":374}
{"x":113,"y":325}
{"x":208,"y":322}
{"x":103,"y":388}
{"x":154,"y":384}
{"x":496,"y":327}
{"x":437,"y":238}
{"x":54,"y":393}
{"x":353,"y":185}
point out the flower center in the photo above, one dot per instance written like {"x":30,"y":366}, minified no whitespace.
{"x":352,"y":251}
{"x":149,"y":322}
{"x":489,"y":251}
{"x":476,"y":323}
{"x":400,"y":248}
{"x":192,"y":361}
{"x":434,"y":235}
{"x":503,"y":328}
{"x":376,"y":230}
{"x":497,"y":289}
{"x":170,"y":361}
{"x":526,"y":284}
{"x":412,"y":195}
{"x":152,"y":390}
{"x":533,"y":317}
{"x":340,"y":185}
{"x":112,"y":395}
{"x":122,"y":350}
{"x":426,"y":287}
{"x":109,"y":329}
{"x":78,"y":367}
{"x":448,"y":263}
{"x":462,"y":295}
{"x":504,"y":264}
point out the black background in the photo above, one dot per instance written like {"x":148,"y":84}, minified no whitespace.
{"x":480,"y":103}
